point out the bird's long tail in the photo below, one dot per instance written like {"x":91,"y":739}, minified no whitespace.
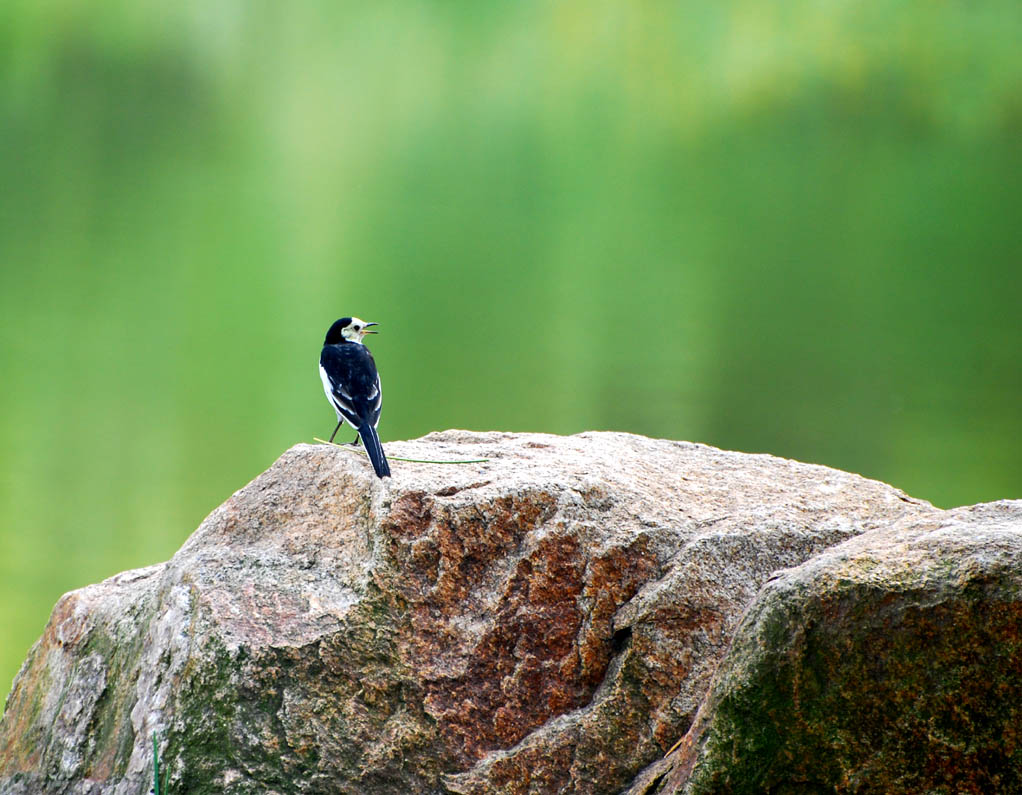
{"x":371,"y":442}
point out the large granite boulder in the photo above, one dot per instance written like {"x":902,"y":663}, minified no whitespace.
{"x":545,"y":621}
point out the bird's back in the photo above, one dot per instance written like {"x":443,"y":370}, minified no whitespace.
{"x":352,"y":368}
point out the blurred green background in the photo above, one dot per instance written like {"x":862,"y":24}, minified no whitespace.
{"x":791,"y":227}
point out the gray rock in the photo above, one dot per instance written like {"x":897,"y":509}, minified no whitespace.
{"x":890,"y":663}
{"x":546,"y":621}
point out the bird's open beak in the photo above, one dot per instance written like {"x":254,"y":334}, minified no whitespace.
{"x":366,"y":330}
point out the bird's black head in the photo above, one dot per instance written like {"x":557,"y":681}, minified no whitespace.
{"x":333,"y":336}
{"x":348,"y":329}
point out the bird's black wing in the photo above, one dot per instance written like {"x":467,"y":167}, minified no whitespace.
{"x":376,"y":404}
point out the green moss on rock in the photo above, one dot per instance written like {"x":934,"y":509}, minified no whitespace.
{"x":843,"y":684}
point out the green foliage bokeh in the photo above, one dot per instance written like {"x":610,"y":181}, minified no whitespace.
{"x":789,"y":228}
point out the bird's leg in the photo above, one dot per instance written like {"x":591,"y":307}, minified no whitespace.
{"x":356,"y":440}
{"x":335,"y":431}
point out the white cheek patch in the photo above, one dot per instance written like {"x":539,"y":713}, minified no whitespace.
{"x":349,"y":332}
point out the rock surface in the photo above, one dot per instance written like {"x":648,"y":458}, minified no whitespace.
{"x":546,"y":621}
{"x":891,"y":663}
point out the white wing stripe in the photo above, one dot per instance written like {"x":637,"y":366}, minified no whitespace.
{"x":341,"y":407}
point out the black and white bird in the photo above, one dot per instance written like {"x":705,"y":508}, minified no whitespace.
{"x":352,"y":385}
